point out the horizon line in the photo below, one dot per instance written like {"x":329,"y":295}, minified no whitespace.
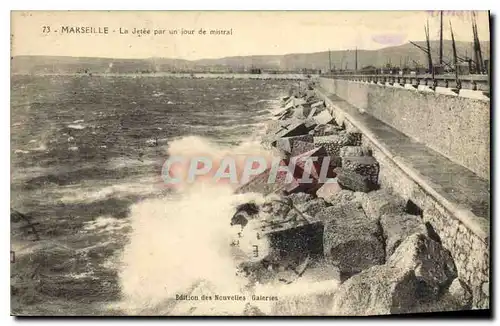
{"x":230,"y":56}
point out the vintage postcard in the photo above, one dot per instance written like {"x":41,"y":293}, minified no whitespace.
{"x":250,"y":163}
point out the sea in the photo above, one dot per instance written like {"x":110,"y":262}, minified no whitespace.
{"x":109,"y":237}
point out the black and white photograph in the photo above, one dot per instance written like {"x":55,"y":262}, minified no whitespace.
{"x":250,"y":163}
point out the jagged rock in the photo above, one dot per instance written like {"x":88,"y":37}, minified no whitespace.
{"x":345,"y":196}
{"x":303,"y":304}
{"x":348,"y":151}
{"x":310,"y":124}
{"x":317,"y":154}
{"x":328,"y":190}
{"x":288,"y":143}
{"x":280,"y":113}
{"x":327,"y":130}
{"x":285,"y":115}
{"x":292,"y":129}
{"x":318,"y":104}
{"x":301,"y":112}
{"x":300,"y":147}
{"x":351,"y":241}
{"x":278,"y":153}
{"x":313,"y":207}
{"x":310,"y":95}
{"x":312,"y":113}
{"x":323,"y":118}
{"x":380,"y":202}
{"x":244,"y":212}
{"x":251,"y":310}
{"x":379,"y":290}
{"x":286,"y":128}
{"x":261,"y":184}
{"x":433,"y":265}
{"x":293,"y":102}
{"x":397,"y":227}
{"x":457,"y":297}
{"x":273,"y":126}
{"x":353,"y":181}
{"x":363,"y":165}
{"x":333,"y":143}
{"x":460,"y":293}
{"x":356,"y":137}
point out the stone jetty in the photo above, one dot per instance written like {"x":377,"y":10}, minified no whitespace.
{"x":365,"y":237}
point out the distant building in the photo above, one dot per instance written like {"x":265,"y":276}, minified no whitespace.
{"x":438,"y":69}
{"x":310,"y":71}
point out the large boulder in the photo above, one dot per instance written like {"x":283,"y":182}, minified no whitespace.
{"x":307,"y":169}
{"x":318,"y":104}
{"x":353,"y":181}
{"x":363,"y":165}
{"x":278,"y":128}
{"x":313,"y":207}
{"x":345,"y":196}
{"x":287,"y":144}
{"x":351,"y":241}
{"x":333,"y":143}
{"x":460,"y":293}
{"x":299,"y":147}
{"x":399,"y":226}
{"x":433,"y":264}
{"x":347,"y":151}
{"x":328,"y":190}
{"x":379,"y":290}
{"x":294,"y":101}
{"x":295,"y":128}
{"x":354,"y":134}
{"x":324,"y":117}
{"x":301,"y":112}
{"x":300,"y":198}
{"x":326,"y":130}
{"x":456,"y":298}
{"x":380,"y":202}
{"x":251,"y":310}
{"x":265,"y":184}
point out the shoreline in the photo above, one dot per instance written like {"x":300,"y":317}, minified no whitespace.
{"x":363,"y":235}
{"x":264,"y":76}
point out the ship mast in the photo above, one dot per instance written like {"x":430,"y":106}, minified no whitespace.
{"x":441,"y":39}
{"x":477,"y":47}
{"x":330,"y":59}
{"x":429,"y":56}
{"x":356,"y":60}
{"x":455,"y":60}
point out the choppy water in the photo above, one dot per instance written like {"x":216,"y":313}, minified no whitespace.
{"x":86,"y":157}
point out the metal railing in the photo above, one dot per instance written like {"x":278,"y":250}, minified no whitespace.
{"x":472,"y":82}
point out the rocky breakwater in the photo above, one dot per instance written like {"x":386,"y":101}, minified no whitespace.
{"x":349,"y":232}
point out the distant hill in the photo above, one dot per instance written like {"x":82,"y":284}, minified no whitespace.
{"x":319,"y":60}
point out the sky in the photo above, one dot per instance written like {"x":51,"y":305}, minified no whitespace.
{"x":253,"y":32}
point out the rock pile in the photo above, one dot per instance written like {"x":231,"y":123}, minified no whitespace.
{"x":383,"y":256}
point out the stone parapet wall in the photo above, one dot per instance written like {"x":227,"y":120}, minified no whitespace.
{"x":470,"y":252}
{"x":455,"y":126}
{"x":469,"y":248}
